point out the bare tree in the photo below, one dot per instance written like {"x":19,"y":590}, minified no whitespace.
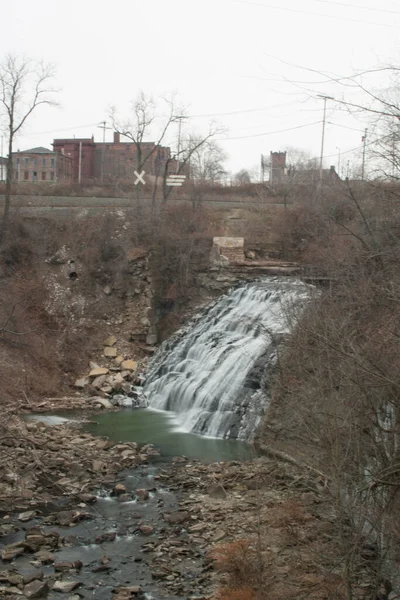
{"x":206,"y":159}
{"x":242,"y":177}
{"x":141,"y":124}
{"x":24,"y":85}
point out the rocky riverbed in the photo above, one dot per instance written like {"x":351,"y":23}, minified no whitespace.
{"x":83,"y":517}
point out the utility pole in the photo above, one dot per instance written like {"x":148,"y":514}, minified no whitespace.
{"x":364,"y":141}
{"x":338,"y":163}
{"x":80,"y":163}
{"x":321,"y":158}
{"x":179,"y":118}
{"x":103,"y":127}
{"x":1,"y":157}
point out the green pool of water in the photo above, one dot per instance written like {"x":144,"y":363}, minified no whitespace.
{"x":147,"y":426}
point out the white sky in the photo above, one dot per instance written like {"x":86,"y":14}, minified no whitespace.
{"x":221,"y":56}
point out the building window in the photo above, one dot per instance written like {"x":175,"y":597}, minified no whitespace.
{"x":43,"y":162}
{"x":34,"y":162}
{"x":34,"y":175}
{"x":43,"y":175}
{"x":52,"y":174}
{"x":26,"y":175}
{"x":26,"y":162}
{"x":17,"y":162}
{"x":52,"y":162}
{"x":16,"y":175}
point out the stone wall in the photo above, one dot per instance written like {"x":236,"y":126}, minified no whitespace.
{"x":232,"y":248}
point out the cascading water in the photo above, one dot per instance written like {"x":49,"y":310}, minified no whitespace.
{"x":210,"y":374}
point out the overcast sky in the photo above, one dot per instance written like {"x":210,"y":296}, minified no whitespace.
{"x":241,"y":63}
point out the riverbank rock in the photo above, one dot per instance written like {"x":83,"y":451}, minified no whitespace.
{"x":98,"y":371}
{"x":36,"y":589}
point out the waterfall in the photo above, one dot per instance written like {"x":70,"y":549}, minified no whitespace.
{"x":210,"y":374}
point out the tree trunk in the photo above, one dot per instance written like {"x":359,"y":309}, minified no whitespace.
{"x":7,"y":199}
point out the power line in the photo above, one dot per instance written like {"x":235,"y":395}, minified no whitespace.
{"x":63,"y":129}
{"x":238,"y":112}
{"x":241,"y":137}
{"x":345,"y":126}
{"x":314,"y":14}
{"x":384,"y":10}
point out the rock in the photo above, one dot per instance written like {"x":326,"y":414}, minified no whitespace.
{"x":107,"y":290}
{"x":140,"y":493}
{"x":81,"y":383}
{"x":34,"y":576}
{"x":151,"y":339}
{"x":104,"y":402}
{"x":63,"y":566}
{"x":99,"y":381}
{"x":98,"y":465}
{"x":126,"y":387}
{"x":36,"y":589}
{"x":146,"y":529}
{"x":119,"y":489}
{"x":87,"y":498}
{"x":129,"y":365}
{"x":219,"y":535}
{"x":65,"y":586}
{"x":119,"y":360}
{"x":44,"y":556}
{"x":177,"y":517}
{"x":126,"y":593}
{"x":110,"y":352}
{"x":216,"y":491}
{"x":110,"y":341}
{"x":7,"y":591}
{"x":108,"y":536}
{"x":65,"y":518}
{"x":197,"y":528}
{"x":10,"y":552}
{"x":95,"y":372}
{"x":106,"y":388}
{"x":26,"y":516}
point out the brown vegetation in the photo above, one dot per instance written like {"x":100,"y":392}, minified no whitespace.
{"x":336,"y":398}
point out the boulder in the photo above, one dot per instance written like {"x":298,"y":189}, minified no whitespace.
{"x":10,"y":552}
{"x":140,"y":493}
{"x":99,"y":381}
{"x":26,"y":516}
{"x":108,"y":536}
{"x":129,"y":365}
{"x":104,"y":402}
{"x":146,"y":529}
{"x":178,"y":517}
{"x":65,"y":587}
{"x":34,"y":576}
{"x":44,"y":556}
{"x":81,"y":383}
{"x":110,"y":341}
{"x":96,"y":371}
{"x":110,"y":352}
{"x":118,"y":360}
{"x":36,"y":589}
{"x":119,"y":489}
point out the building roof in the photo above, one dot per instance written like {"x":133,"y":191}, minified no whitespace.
{"x":38,"y":150}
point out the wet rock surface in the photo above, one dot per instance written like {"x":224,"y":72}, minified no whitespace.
{"x":115,"y":521}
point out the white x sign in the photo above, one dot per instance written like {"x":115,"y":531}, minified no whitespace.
{"x":139,"y":177}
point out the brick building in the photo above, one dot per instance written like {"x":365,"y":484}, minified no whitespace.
{"x":3,"y":168}
{"x":80,"y":151}
{"x":41,"y":165}
{"x":112,"y":161}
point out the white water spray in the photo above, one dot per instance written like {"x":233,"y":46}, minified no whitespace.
{"x":206,"y":376}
